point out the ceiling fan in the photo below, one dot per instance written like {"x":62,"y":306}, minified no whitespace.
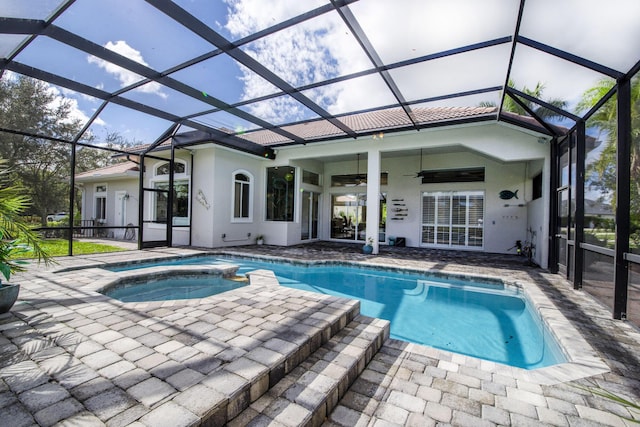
{"x":359,"y":178}
{"x":420,"y":172}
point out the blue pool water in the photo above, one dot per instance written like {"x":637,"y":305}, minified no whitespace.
{"x":489,"y":321}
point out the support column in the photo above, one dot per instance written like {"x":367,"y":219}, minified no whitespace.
{"x":373,"y":197}
{"x":553,"y":208}
{"x":141,"y":195}
{"x":578,"y":255}
{"x":623,"y":203}
{"x":72,"y":197}
{"x":172,"y":165}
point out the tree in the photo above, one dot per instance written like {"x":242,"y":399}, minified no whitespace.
{"x":88,"y":158}
{"x":601,"y":173}
{"x":43,"y":166}
{"x":513,"y":107}
{"x":39,"y":165}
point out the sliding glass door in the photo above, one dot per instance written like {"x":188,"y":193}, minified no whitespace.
{"x":349,"y":217}
{"x":309,"y":221}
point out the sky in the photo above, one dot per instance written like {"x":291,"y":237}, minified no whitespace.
{"x":320,"y":49}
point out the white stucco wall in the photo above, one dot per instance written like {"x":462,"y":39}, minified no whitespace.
{"x":213,"y":175}
{"x":539,"y":215}
{"x":202,"y":206}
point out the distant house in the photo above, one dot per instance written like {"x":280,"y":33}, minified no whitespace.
{"x":110,"y":196}
{"x":594,"y":208}
{"x":598,"y":214}
{"x":442,"y":187}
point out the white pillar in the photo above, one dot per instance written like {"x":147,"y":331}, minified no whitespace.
{"x":373,"y":197}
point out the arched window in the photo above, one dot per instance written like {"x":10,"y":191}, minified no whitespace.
{"x":242,"y":196}
{"x":179,"y":167}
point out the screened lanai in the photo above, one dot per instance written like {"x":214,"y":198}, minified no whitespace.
{"x":255,"y":78}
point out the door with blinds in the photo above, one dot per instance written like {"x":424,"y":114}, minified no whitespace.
{"x":453,"y":219}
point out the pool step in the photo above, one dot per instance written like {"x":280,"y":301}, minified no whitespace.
{"x":308,"y":394}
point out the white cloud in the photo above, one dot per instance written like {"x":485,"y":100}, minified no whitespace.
{"x":59,"y":98}
{"x":562,"y":80}
{"x":98,"y":121}
{"x":69,"y":93}
{"x":280,"y":110}
{"x":126,"y":77}
{"x":313,"y":51}
{"x":248,"y":16}
{"x":403,"y":29}
{"x":322,"y":48}
{"x":352,"y":95}
{"x":607,"y":35}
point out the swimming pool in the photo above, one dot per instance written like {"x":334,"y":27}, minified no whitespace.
{"x":485,"y":320}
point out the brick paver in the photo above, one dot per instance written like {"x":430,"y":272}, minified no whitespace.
{"x":69,"y":354}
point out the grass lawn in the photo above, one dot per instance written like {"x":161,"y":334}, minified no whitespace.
{"x":60,"y":247}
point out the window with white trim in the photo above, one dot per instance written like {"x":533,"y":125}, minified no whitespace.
{"x":100,"y":202}
{"x":242,"y":208}
{"x":454,"y":218}
{"x":181,"y":193}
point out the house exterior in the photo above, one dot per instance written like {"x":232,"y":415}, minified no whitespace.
{"x":110,"y":197}
{"x":476,"y":186}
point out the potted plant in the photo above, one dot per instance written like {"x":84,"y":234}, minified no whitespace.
{"x":16,"y":238}
{"x":368,"y":247}
{"x":260,"y":239}
{"x":8,"y":291}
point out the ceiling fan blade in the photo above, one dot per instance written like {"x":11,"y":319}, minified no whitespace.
{"x":420,"y":173}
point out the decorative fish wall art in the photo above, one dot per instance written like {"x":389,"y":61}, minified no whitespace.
{"x":508,"y":195}
{"x":399,"y":211}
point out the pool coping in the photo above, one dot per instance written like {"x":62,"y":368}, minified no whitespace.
{"x":583,"y":361}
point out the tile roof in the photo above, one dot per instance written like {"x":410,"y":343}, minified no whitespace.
{"x":117,"y":169}
{"x":369,"y":121}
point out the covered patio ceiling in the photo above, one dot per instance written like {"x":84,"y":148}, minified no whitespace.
{"x":253,"y":75}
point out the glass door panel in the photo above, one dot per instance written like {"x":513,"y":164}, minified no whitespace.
{"x":349,"y":217}
{"x":309,"y":225}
